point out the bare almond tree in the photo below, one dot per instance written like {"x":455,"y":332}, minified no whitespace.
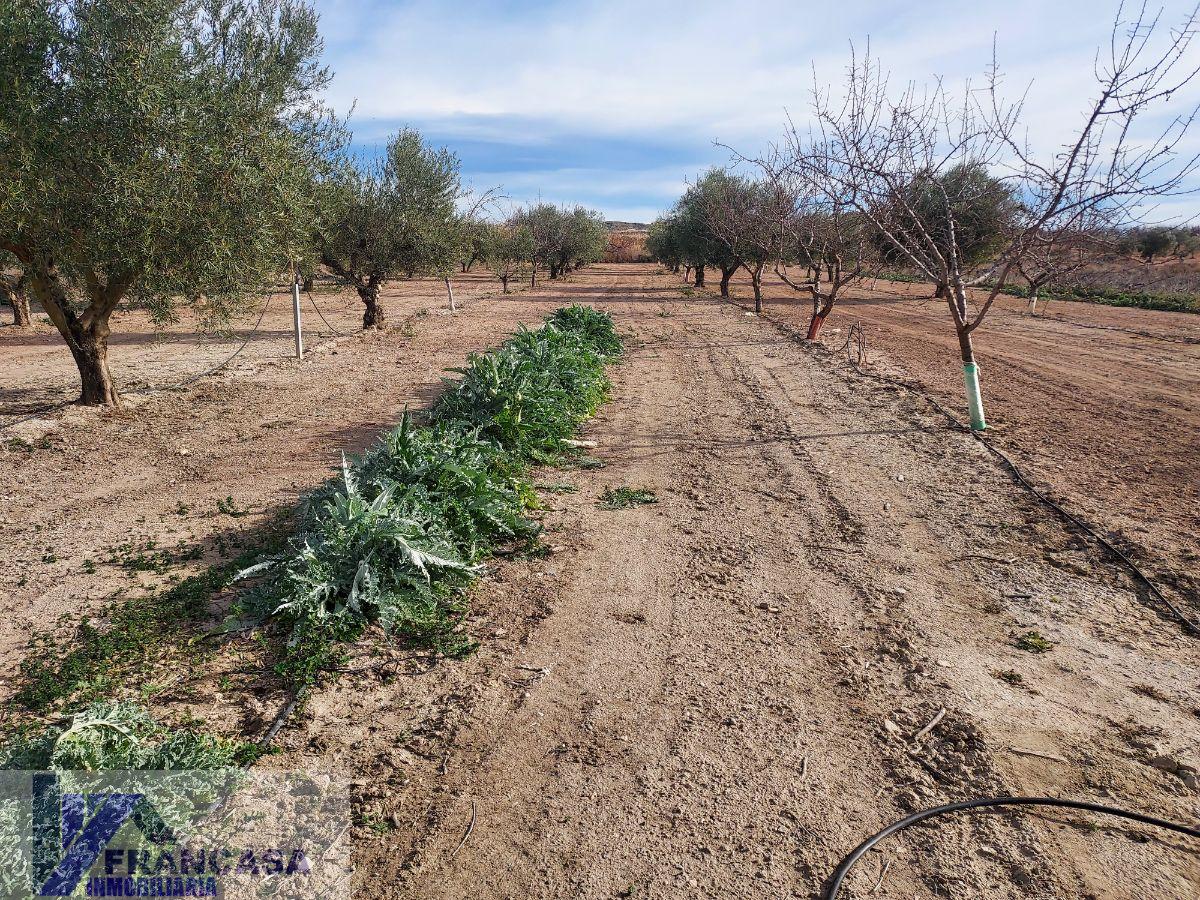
{"x":902,"y":149}
{"x":820,"y":229}
{"x":1056,"y":257}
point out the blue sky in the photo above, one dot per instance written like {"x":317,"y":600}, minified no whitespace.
{"x":617,"y":103}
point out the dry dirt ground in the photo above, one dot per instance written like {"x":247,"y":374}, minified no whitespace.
{"x":717,"y":695}
{"x":36,"y":370}
{"x":1101,"y":404}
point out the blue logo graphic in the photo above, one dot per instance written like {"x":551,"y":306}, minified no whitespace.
{"x":70,"y":831}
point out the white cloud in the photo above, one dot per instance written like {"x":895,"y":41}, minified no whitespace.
{"x":688,"y":72}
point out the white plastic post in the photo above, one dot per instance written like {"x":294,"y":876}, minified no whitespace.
{"x":974,"y":397}
{"x":296,"y":316}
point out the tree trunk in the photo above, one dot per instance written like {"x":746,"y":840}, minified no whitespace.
{"x":942,"y":292}
{"x":372,"y":311}
{"x":814,"y":327}
{"x":554,"y":270}
{"x":1033,"y":301}
{"x":450,"y":294}
{"x":726,"y":274}
{"x":533,"y":278}
{"x":756,"y":283}
{"x":86,"y":335}
{"x":971,"y":378}
{"x":699,"y":276}
{"x":15,"y":292}
{"x":504,"y":282}
{"x":90,"y":350}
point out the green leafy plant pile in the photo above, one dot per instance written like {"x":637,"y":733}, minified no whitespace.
{"x":116,"y":736}
{"x":399,"y":535}
{"x":537,"y":387}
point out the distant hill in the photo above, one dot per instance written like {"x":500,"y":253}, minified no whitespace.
{"x":627,"y":226}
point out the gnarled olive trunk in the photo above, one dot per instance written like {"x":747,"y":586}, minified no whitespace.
{"x":726,"y":274}
{"x":90,"y":349}
{"x":14,"y":292}
{"x":86,"y":333}
{"x":504,"y":282}
{"x":699,"y":276}
{"x":372,"y":310}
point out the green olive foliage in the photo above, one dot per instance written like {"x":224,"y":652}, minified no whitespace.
{"x":163,"y":151}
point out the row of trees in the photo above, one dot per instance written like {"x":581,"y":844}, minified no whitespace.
{"x":178,"y":153}
{"x":403,"y":215}
{"x":946,"y":187}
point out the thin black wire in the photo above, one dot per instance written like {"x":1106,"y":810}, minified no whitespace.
{"x":150,"y":388}
{"x":834,"y":884}
{"x":322,"y":315}
{"x":194,"y":378}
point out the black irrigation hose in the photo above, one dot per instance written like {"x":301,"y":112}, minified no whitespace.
{"x":151,"y":388}
{"x":834,"y":884}
{"x":1188,"y":623}
{"x":322,"y":315}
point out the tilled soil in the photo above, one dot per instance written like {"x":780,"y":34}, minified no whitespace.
{"x":719,"y":694}
{"x":1100,"y":404}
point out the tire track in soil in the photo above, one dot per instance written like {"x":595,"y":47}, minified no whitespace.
{"x":716,"y":695}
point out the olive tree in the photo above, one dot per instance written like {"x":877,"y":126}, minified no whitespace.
{"x":922,"y":160}
{"x":508,"y":251}
{"x":697,"y":211}
{"x":560,"y":239}
{"x":159,"y":151}
{"x":663,"y":245}
{"x":742,"y":217}
{"x":584,"y":239}
{"x":390,"y":217}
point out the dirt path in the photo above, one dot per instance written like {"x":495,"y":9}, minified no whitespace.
{"x":718,"y":695}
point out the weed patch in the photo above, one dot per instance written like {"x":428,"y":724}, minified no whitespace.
{"x":85,"y":666}
{"x":561,"y":487}
{"x":626,"y":497}
{"x":1034,"y":642}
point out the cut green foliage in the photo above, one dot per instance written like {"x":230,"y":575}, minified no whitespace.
{"x":537,"y":387}
{"x":1034,"y":642}
{"x":116,"y":736}
{"x":397,"y":538}
{"x":625,"y":497}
